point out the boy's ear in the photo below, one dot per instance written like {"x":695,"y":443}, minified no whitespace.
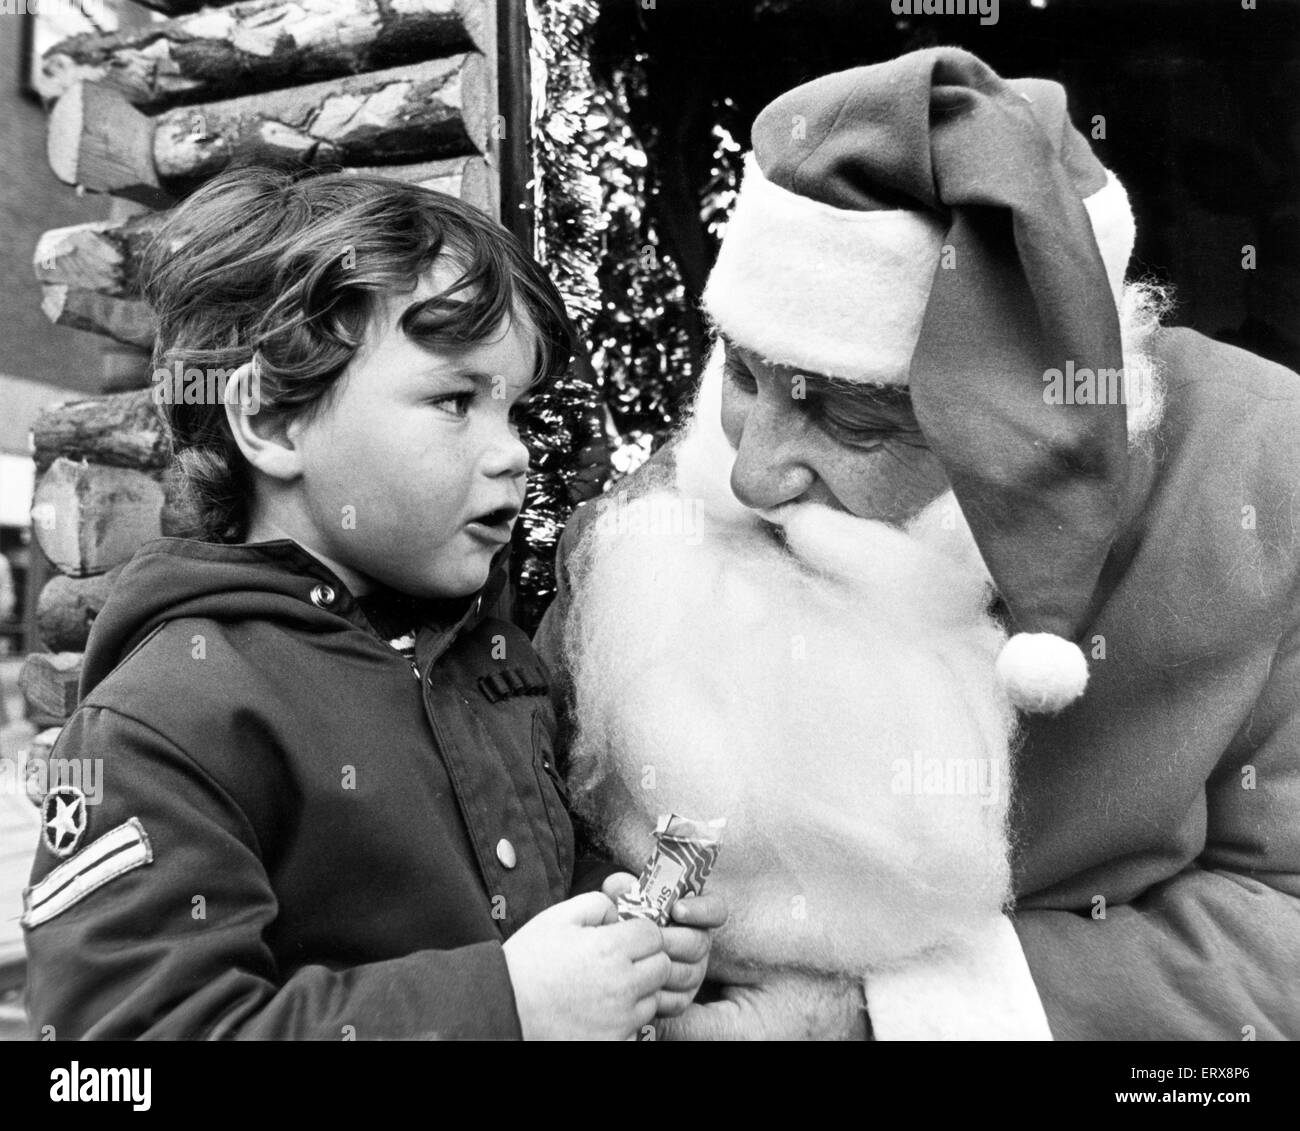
{"x":263,"y":438}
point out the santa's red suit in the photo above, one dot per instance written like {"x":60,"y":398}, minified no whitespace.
{"x":1127,"y":867}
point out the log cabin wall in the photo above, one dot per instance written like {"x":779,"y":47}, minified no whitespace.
{"x":408,"y":89}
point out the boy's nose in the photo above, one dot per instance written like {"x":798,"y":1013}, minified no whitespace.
{"x":508,"y":456}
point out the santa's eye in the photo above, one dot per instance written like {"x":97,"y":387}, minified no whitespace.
{"x":856,"y":435}
{"x":738,"y":374}
{"x":862,"y":424}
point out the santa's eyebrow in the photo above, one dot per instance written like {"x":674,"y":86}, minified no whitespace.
{"x":895,"y":397}
{"x":729,"y":344}
{"x":734,"y":348}
{"x":741,"y":353}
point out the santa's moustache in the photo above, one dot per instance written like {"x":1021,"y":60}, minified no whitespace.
{"x":826,"y":684}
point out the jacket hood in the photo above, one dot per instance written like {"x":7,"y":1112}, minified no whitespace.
{"x":171,"y":578}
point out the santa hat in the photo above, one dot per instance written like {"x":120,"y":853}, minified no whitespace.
{"x":927,"y":223}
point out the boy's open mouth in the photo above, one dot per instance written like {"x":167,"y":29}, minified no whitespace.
{"x":494,"y":525}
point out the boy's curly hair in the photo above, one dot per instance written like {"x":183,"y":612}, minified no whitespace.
{"x":285,"y":269}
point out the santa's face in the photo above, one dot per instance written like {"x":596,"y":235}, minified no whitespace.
{"x":802,"y":438}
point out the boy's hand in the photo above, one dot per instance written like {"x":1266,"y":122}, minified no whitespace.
{"x":580,"y":974}
{"x":687,"y":942}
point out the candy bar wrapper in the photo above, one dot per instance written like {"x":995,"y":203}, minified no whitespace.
{"x":683,"y":856}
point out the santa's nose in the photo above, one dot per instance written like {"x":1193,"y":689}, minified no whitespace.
{"x":769,"y":470}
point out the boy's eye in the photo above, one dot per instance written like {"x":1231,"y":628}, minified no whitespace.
{"x":455,"y":404}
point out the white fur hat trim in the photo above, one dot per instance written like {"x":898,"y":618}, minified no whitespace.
{"x":841,"y":292}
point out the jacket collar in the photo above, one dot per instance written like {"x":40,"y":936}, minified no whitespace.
{"x":440,"y":622}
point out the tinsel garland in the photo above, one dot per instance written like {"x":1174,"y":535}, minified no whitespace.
{"x":591,"y":235}
{"x":595,"y":235}
{"x":640,"y":344}
{"x":564,"y":431}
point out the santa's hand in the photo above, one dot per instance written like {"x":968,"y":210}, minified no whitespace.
{"x":686,"y":941}
{"x":785,"y":1007}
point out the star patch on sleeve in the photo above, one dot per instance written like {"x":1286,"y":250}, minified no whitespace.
{"x":64,"y":818}
{"x":117,"y":852}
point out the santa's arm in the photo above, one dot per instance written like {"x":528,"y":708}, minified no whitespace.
{"x":1208,"y":956}
{"x":1213,"y":953}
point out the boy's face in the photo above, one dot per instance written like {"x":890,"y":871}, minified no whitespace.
{"x":413,"y":472}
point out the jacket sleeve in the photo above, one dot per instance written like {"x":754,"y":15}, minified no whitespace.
{"x":591,"y":866}
{"x":1213,"y":953}
{"x":154,"y":927}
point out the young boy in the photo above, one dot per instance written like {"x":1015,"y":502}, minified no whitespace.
{"x":330,"y":801}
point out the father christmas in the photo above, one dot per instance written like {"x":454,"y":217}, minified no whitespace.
{"x":998,"y":689}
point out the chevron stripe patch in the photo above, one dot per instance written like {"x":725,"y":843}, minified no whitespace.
{"x":117,"y":852}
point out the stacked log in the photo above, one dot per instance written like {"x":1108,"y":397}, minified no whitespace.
{"x":88,"y":518}
{"x":40,"y":748}
{"x":122,"y":430}
{"x":100,"y":142}
{"x":48,"y":682}
{"x":263,"y":45}
{"x":68,"y":607}
{"x":100,"y":495}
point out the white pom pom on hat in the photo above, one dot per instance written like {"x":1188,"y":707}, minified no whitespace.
{"x":1042,"y":672}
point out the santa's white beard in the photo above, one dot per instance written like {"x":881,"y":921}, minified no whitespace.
{"x":834,"y":699}
{"x":1141,"y":308}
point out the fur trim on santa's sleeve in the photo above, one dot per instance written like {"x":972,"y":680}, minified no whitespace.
{"x":980,"y":992}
